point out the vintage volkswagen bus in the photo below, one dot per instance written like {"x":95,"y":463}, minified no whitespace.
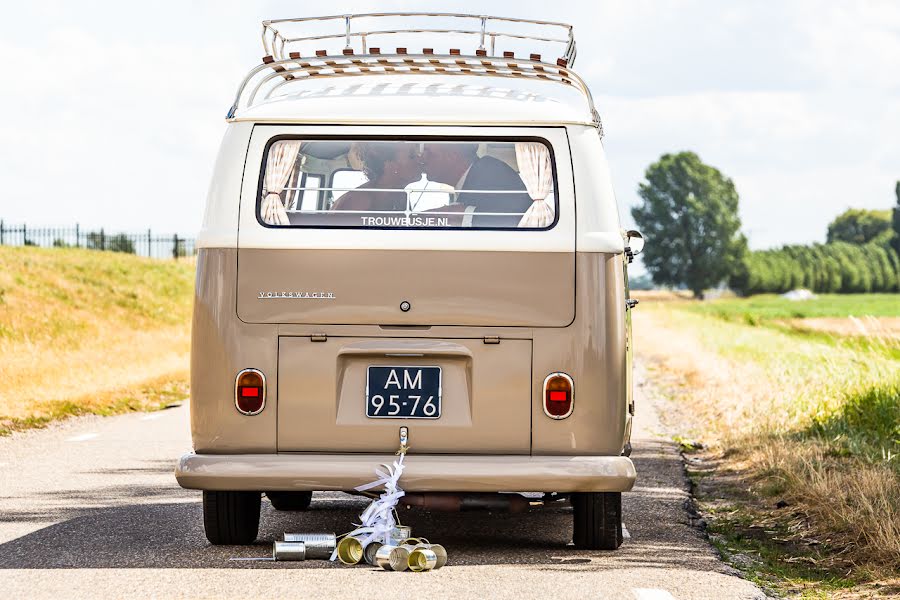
{"x":423,"y":244}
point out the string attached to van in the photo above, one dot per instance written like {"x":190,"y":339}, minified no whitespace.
{"x":379,"y":518}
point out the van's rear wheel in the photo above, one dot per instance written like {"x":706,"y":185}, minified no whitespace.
{"x":598,"y":520}
{"x":290,"y":500}
{"x":231,"y":517}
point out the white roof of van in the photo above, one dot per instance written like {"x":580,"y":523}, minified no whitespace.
{"x":423,"y":99}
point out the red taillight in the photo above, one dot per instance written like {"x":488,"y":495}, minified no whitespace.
{"x":559,"y":396}
{"x":250,"y":392}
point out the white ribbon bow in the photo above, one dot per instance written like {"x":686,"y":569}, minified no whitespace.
{"x":377,"y":521}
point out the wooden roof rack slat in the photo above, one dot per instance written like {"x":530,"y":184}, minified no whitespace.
{"x":283,"y":63}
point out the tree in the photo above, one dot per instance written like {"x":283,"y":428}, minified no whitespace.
{"x":114,"y":243}
{"x":690,"y":219}
{"x":860,"y":226}
{"x":895,"y":242}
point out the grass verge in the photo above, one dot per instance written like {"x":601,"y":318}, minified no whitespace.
{"x":83,"y":331}
{"x":799,"y":476}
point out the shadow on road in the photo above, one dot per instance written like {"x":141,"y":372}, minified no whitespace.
{"x":161,"y":527}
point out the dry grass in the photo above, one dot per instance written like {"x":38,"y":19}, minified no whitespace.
{"x":661,"y":295}
{"x":885,"y":328}
{"x":86,"y":331}
{"x":798,"y":421}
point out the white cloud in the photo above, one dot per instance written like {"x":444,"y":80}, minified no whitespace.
{"x":122,"y":108}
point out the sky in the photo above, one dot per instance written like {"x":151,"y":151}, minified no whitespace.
{"x":112,"y":112}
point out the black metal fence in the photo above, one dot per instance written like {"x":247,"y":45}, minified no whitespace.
{"x":149,"y":244}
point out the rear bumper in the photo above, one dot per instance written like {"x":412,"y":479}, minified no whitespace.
{"x":422,"y":472}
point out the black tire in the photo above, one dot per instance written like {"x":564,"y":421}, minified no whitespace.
{"x":597,"y":520}
{"x":231,"y":518}
{"x":290,"y":500}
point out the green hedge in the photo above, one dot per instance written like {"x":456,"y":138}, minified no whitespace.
{"x":833,"y":268}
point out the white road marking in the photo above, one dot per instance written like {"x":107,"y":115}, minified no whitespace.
{"x":652,"y":594}
{"x":83,"y":437}
{"x":152,"y":417}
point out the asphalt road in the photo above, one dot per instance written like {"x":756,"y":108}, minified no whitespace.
{"x":90,"y":508}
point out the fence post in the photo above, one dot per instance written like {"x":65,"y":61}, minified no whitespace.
{"x":24,"y":235}
{"x":102,"y":239}
{"x":175,"y":246}
{"x":1,"y":232}
{"x":77,"y":236}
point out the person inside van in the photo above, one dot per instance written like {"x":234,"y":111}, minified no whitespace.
{"x":460,"y":166}
{"x":388,"y":166}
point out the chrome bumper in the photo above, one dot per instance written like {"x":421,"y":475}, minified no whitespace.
{"x":422,"y":472}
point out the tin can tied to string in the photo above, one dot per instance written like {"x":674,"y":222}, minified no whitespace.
{"x":289,"y":551}
{"x":370,"y":551}
{"x":439,"y":551}
{"x":422,"y":559}
{"x":318,"y":545}
{"x":392,"y":558}
{"x":349,"y":550}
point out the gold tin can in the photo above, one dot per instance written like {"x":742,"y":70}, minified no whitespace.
{"x":289,"y":551}
{"x":439,"y":551}
{"x":350,"y":550}
{"x":392,"y":558}
{"x":422,"y":559}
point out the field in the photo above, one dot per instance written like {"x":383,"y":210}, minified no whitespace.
{"x":83,"y":331}
{"x":792,"y":433}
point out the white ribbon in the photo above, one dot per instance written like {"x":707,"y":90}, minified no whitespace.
{"x":377,"y":521}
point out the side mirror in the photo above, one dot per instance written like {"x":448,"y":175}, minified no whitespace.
{"x":634,"y":244}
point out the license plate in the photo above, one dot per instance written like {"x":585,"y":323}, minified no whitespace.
{"x":400,"y":392}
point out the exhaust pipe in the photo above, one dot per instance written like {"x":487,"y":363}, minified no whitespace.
{"x":450,"y":502}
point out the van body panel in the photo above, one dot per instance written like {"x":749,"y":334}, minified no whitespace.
{"x":221,"y":346}
{"x":485,"y":403}
{"x":592,"y":352}
{"x":524,"y":289}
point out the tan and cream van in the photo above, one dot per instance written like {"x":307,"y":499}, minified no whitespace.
{"x":420,"y":242}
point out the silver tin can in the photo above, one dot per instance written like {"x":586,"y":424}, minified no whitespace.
{"x":289,"y":551}
{"x":370,"y":551}
{"x":318,"y":545}
{"x":441,"y":554}
{"x":392,"y":558}
{"x":399,"y":534}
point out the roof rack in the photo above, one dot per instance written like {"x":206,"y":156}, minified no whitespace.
{"x":284,"y":63}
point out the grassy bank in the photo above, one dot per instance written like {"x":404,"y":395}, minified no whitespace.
{"x":799,"y":474}
{"x":90,"y":332}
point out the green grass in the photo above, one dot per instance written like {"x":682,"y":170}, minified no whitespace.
{"x":865,"y":424}
{"x":73,"y":320}
{"x":48,"y":293}
{"x":809,"y":418}
{"x":766,"y":307}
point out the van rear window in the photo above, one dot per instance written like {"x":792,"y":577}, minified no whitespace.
{"x":408,"y":184}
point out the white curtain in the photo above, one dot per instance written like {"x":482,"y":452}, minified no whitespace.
{"x":536,"y":171}
{"x":282,"y":157}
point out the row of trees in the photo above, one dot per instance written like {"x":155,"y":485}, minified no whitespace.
{"x":690,"y":217}
{"x":98,"y":241}
{"x":838,"y":267}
